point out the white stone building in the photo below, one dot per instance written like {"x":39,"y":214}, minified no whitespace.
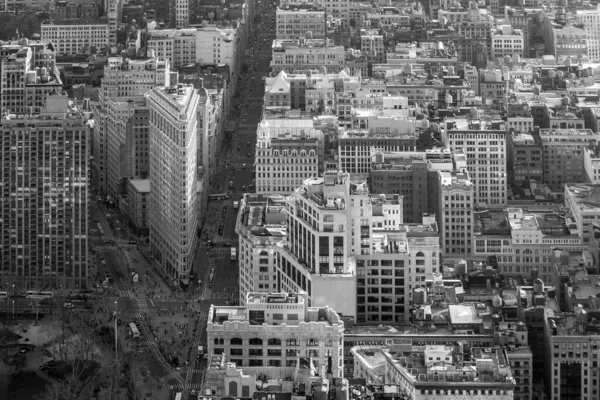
{"x":484,"y":144}
{"x":277,"y":330}
{"x":173,"y":177}
{"x":69,"y":39}
{"x":288,"y":151}
{"x":507,"y":41}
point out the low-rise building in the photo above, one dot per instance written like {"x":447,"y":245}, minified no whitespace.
{"x":299,"y":55}
{"x":507,"y":41}
{"x":437,"y":372}
{"x":74,"y":38}
{"x":563,"y":157}
{"x":276,"y":330}
{"x":526,"y":158}
{"x":294,"y":20}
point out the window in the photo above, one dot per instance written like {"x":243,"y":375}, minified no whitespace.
{"x":274,"y":342}
{"x":236,"y":342}
{"x":255,"y":342}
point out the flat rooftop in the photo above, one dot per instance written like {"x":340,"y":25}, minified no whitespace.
{"x":586,"y":196}
{"x":271,"y":298}
{"x":141,"y":185}
{"x":264,"y":215}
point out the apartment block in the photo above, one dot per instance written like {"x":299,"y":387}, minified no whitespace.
{"x":29,"y":74}
{"x":293,"y":20}
{"x":72,"y":38}
{"x":114,"y":14}
{"x":182,"y":13}
{"x":583,"y":201}
{"x":456,"y":213}
{"x":288,"y":151}
{"x":45,"y":174}
{"x":122,"y":138}
{"x":415,"y":371}
{"x":277,"y":330}
{"x":563,"y":155}
{"x":297,"y":55}
{"x":260,"y":226}
{"x":127,"y":150}
{"x":412,"y":175}
{"x":355,"y":146}
{"x":590,"y":18}
{"x":371,"y":45}
{"x":484,"y":144}
{"x":210,"y":44}
{"x":507,"y":41}
{"x":518,"y":113}
{"x":173,"y":177}
{"x":518,"y":241}
{"x":526,"y":158}
{"x":591,"y":164}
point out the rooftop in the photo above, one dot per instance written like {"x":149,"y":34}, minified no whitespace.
{"x":141,"y":185}
{"x":585,"y":196}
{"x":264,"y":215}
{"x":269,"y":298}
{"x":444,"y":363}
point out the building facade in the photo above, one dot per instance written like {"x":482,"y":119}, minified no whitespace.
{"x":277,"y":330}
{"x":45,"y":169}
{"x":563,"y":155}
{"x":484,"y":145}
{"x":173,"y":176}
{"x":456,"y":213}
{"x":69,"y":39}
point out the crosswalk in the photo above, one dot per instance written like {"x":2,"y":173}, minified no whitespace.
{"x":131,"y":315}
{"x":144,"y":342}
{"x":141,"y":303}
{"x":188,"y":386}
{"x":126,"y":293}
{"x":171,"y":375}
{"x":196,"y":370}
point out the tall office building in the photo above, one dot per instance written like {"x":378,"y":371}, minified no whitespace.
{"x":456,"y":213}
{"x":44,"y":215}
{"x":121,"y":140}
{"x":484,"y":144}
{"x":173,"y":173}
{"x":182,"y":13}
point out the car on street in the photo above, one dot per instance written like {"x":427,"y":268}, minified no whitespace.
{"x":24,"y":350}
{"x":249,"y":155}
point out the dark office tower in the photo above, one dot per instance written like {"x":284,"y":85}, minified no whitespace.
{"x":44,"y":187}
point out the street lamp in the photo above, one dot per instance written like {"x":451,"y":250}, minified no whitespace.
{"x":13,"y":309}
{"x":115,"y":316}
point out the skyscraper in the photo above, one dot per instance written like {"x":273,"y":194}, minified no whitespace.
{"x":173,"y":170}
{"x":44,"y":212}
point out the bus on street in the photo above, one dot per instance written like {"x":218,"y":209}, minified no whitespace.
{"x":233,"y":254}
{"x":134,"y":330}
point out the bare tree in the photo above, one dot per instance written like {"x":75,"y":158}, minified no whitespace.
{"x":36,"y":305}
{"x":70,"y":387}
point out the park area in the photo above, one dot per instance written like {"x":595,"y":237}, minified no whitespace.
{"x":69,"y":356}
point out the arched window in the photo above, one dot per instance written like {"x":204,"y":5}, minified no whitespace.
{"x":255,"y":342}
{"x":236,"y":341}
{"x":274,"y":342}
{"x":264,"y":253}
{"x":219,"y":341}
{"x":420,"y":254}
